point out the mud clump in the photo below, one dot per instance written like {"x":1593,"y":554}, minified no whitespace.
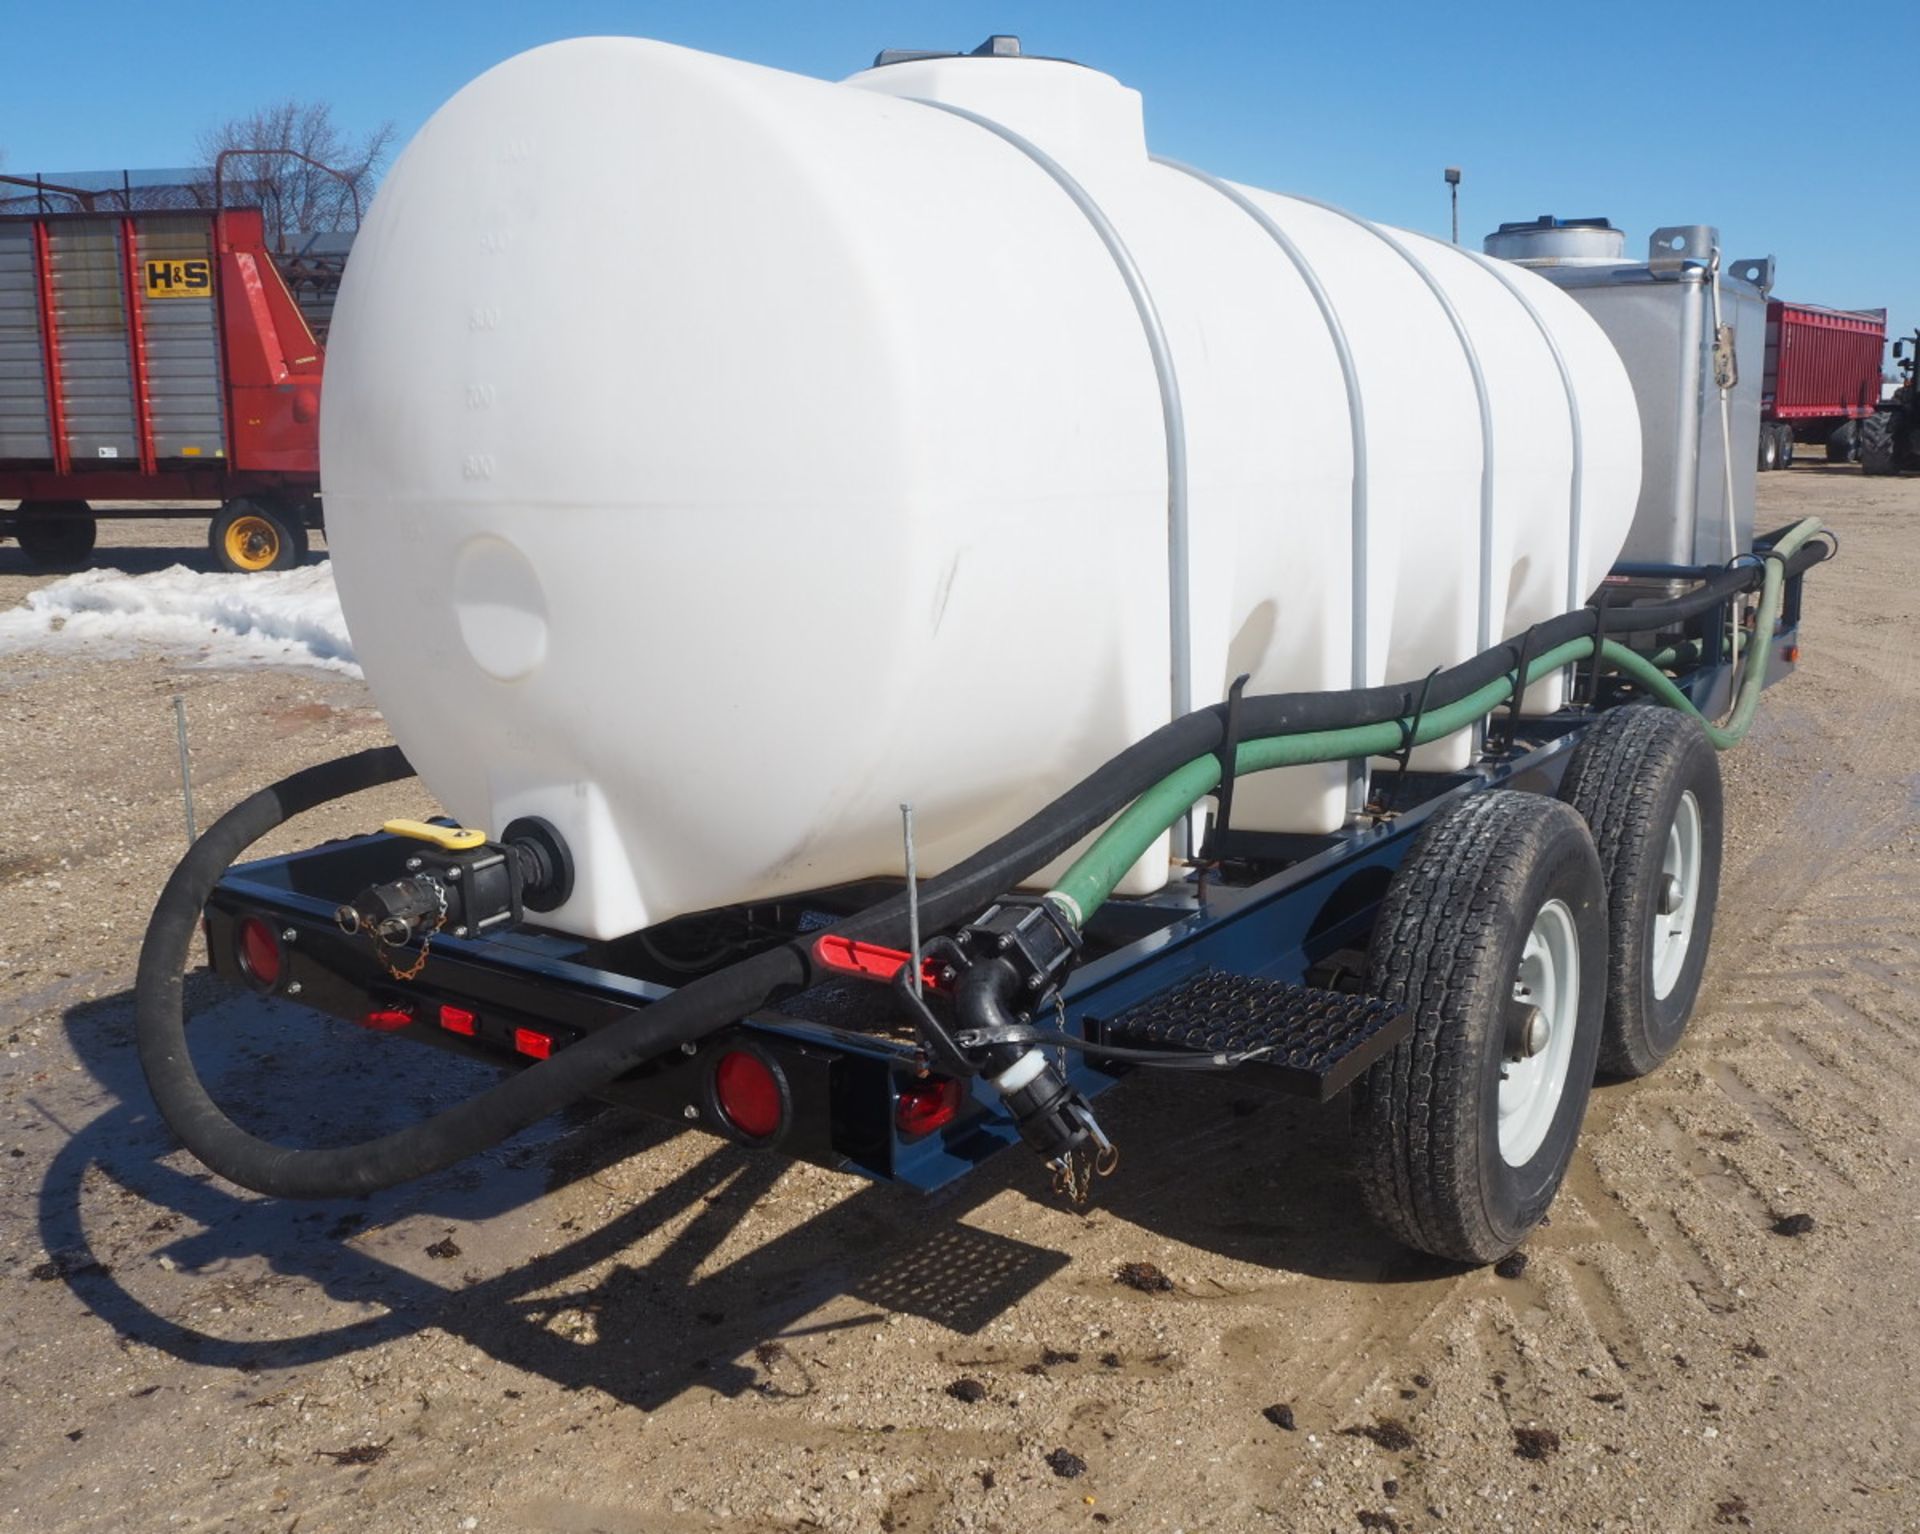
{"x":66,"y":1265}
{"x":359,"y":1454}
{"x":1512,"y":1265}
{"x":1054,"y":1356}
{"x":1373,"y":1520}
{"x":1793,"y":1225}
{"x":968,"y":1390}
{"x":1734,"y":1510}
{"x":1535,"y":1442}
{"x":1280,"y":1415}
{"x":1145,"y":1277}
{"x":1751,"y":1349}
{"x":446,"y":1249}
{"x":1066,"y":1464}
{"x":1388,"y":1433}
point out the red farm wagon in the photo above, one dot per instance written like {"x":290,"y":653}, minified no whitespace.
{"x":160,"y":356}
{"x":1822,"y":379}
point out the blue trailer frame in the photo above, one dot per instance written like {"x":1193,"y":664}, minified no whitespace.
{"x":844,"y":1059}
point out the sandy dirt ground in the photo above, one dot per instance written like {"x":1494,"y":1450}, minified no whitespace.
{"x":604,"y":1328}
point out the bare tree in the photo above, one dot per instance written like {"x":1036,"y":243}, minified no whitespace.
{"x":297,"y":197}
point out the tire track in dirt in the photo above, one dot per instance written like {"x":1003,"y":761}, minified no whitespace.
{"x":1676,"y":1184}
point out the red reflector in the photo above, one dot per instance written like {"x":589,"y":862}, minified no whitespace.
{"x":1793,"y":655}
{"x":926,"y":1105}
{"x":258,"y":946}
{"x":869,"y":961}
{"x":386,"y":1019}
{"x":459,"y":1020}
{"x":749,"y":1094}
{"x":530,"y":1041}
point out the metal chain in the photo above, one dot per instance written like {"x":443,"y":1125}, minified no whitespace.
{"x":426,"y":939}
{"x":1072,"y":1178}
{"x":1074,"y":1173}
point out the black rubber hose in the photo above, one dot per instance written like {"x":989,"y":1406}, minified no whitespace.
{"x":1000,"y":866}
{"x":713,"y":1001}
{"x":472,"y":1126}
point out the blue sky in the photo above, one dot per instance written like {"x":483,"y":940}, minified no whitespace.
{"x":1793,"y":129}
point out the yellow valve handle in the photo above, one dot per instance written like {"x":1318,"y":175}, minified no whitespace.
{"x":452,"y":838}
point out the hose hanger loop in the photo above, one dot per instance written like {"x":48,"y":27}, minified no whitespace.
{"x":1521,"y":650}
{"x":1410,"y":732}
{"x":1228,"y":756}
{"x":1599,"y":609}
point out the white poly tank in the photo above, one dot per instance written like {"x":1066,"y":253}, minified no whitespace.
{"x":715,"y":458}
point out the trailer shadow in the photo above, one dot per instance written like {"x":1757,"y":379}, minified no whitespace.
{"x":132,"y":560}
{"x":1219,"y":1168}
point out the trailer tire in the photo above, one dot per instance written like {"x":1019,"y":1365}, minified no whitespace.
{"x":1461,"y":1141}
{"x":1879,"y":449}
{"x":1786,"y":445}
{"x":250,"y":536}
{"x":1769,"y":449}
{"x":56,"y":535}
{"x":1647,"y":782}
{"x":1843,"y":443}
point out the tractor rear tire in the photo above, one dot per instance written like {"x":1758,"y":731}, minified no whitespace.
{"x":1786,"y":445}
{"x":56,"y":535}
{"x":1647,"y":782}
{"x":1843,"y":443}
{"x":1494,"y":936}
{"x":1879,"y":444}
{"x":1769,"y":448}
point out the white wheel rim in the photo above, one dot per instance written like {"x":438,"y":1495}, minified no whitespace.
{"x":1531,"y":1086}
{"x":1673,"y":931}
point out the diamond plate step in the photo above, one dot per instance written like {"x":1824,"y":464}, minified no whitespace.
{"x":1318,"y":1041}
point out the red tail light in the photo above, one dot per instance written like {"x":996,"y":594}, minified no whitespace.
{"x":386,"y":1019}
{"x":749,"y":1095}
{"x":530,"y":1041}
{"x":927,"y":1105}
{"x":257,"y":946}
{"x":459,"y":1020}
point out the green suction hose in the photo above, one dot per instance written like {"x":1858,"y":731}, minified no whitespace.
{"x":1085,"y":887}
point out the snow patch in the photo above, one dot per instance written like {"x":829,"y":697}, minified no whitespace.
{"x":283,"y":618}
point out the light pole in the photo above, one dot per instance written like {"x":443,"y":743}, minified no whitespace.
{"x":1453,"y":192}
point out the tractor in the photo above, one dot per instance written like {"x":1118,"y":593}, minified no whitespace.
{"x":1890,"y":437}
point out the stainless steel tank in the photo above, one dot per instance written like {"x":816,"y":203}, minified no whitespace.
{"x":1696,"y":471}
